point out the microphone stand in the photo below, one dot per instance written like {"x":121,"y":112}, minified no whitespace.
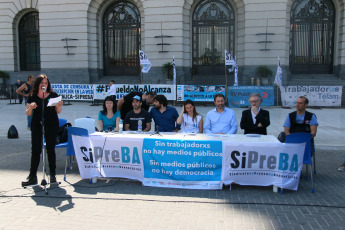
{"x":43,"y":182}
{"x":156,"y":131}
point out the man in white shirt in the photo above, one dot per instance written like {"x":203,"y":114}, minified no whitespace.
{"x":112,"y":90}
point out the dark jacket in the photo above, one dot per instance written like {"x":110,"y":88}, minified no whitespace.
{"x":247,"y":124}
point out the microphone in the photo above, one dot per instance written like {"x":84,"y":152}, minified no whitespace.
{"x":43,"y":88}
{"x":156,"y":129}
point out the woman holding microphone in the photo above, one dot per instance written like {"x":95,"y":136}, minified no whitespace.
{"x":42,"y":87}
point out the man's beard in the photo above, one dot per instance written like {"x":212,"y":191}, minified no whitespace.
{"x":220,"y":106}
{"x":158,"y":107}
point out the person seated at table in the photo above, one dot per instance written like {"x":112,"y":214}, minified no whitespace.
{"x":124,"y":105}
{"x":164,"y":116}
{"x":220,"y":120}
{"x":301,"y":120}
{"x":109,"y":118}
{"x":132,"y":118}
{"x":255,"y":119}
{"x":189,"y":119}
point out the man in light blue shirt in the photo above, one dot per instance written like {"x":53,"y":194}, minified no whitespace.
{"x":220,"y":120}
{"x":301,"y":120}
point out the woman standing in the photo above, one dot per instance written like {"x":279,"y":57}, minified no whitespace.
{"x":189,"y":119}
{"x":109,"y":118}
{"x":51,"y":126}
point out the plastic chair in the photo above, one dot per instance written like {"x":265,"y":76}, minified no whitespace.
{"x":307,"y":159}
{"x":61,"y":145}
{"x":70,"y":148}
{"x":62,"y":122}
{"x":86,"y":123}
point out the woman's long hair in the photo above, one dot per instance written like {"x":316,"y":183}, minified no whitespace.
{"x":187,"y":102}
{"x":36,"y":86}
{"x":109,"y":98}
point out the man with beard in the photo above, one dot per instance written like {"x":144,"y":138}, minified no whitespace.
{"x":220,"y":120}
{"x":132,"y":118}
{"x":124,"y":105}
{"x":164,"y":116}
{"x":255,"y":119}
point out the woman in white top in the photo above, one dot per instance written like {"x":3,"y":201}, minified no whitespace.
{"x":189,"y":119}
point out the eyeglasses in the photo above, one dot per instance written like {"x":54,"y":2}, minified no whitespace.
{"x":254,"y":101}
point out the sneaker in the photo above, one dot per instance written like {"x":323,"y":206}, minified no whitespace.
{"x":52,"y":179}
{"x":30,"y":180}
{"x":342,"y":168}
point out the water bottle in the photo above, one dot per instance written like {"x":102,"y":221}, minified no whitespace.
{"x":121,"y":126}
{"x":140,"y":126}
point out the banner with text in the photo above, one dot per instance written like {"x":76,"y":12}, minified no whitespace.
{"x":190,"y":164}
{"x":238,"y":95}
{"x":169,"y":91}
{"x":199,"y":92}
{"x":116,"y":158}
{"x":263,"y":164}
{"x":317,"y":95}
{"x":74,"y":92}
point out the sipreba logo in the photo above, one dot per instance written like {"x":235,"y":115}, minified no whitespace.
{"x":253,"y":159}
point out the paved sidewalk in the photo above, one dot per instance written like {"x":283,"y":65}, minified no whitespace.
{"x":125,"y":204}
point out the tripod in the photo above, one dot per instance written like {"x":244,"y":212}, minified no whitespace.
{"x":156,"y":131}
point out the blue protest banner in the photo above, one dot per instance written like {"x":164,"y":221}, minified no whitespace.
{"x":182,"y":163}
{"x":238,"y":95}
{"x":199,"y":92}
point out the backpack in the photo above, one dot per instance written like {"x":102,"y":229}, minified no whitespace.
{"x":62,"y":134}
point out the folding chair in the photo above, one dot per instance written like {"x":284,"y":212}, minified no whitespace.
{"x":86,"y":123}
{"x":304,"y":138}
{"x":70,"y":148}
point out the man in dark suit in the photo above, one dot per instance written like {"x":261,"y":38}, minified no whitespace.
{"x":255,"y":119}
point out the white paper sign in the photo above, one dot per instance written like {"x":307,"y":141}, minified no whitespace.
{"x":54,"y":101}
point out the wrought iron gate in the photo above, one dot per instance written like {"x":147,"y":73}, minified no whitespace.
{"x":312,"y":36}
{"x":213,"y":32}
{"x":121,"y":40}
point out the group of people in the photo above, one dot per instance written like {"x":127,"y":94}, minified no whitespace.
{"x":134,"y":107}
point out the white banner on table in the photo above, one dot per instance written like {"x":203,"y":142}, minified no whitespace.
{"x":169,"y":91}
{"x":317,"y":95}
{"x":262,"y":164}
{"x":83,"y":92}
{"x":120,"y":157}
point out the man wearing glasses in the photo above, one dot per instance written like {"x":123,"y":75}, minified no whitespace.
{"x":255,"y":120}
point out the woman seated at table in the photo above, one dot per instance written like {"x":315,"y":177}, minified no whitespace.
{"x":109,"y":118}
{"x":189,"y":119}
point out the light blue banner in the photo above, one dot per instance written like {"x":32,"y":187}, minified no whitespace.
{"x":238,"y":95}
{"x":199,"y":92}
{"x":182,"y":160}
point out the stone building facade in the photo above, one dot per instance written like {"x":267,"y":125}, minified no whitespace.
{"x":92,"y":41}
